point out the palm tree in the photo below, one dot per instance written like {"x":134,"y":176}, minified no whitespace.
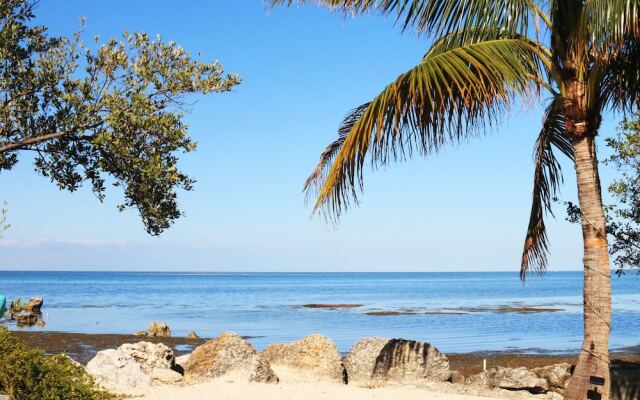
{"x":487,"y":54}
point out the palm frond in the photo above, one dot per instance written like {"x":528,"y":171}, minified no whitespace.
{"x":619,"y":86}
{"x":546,"y":181}
{"x":456,"y":92}
{"x":316,"y":177}
{"x":439,"y":17}
{"x":607,"y":24}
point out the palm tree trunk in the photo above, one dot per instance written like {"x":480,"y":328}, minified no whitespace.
{"x":594,"y":355}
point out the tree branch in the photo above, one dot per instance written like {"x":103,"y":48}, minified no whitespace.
{"x":39,"y":139}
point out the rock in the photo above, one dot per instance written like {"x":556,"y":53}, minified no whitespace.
{"x":166,"y":376}
{"x":41,"y":323}
{"x":314,"y":355}
{"x":457,"y":377}
{"x":26,"y":318}
{"x":193,"y":335}
{"x":34,"y":305}
{"x":114,"y":370}
{"x":228,"y":354}
{"x":158,"y":329}
{"x":149,"y":355}
{"x":140,"y":333}
{"x":133,"y":365}
{"x":373,"y":361}
{"x":557,"y":376}
{"x":511,"y":379}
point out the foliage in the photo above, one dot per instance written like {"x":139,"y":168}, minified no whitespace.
{"x":623,"y":216}
{"x":28,"y":374}
{"x":102,"y":113}
{"x":485,"y":55}
{"x":16,"y":306}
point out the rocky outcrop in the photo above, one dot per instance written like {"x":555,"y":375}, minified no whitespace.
{"x":26,"y":318}
{"x":34,"y":305}
{"x":374,"y":361}
{"x":158,"y":329}
{"x":511,"y":379}
{"x":134,"y":365}
{"x":192,"y":335}
{"x":114,"y":370}
{"x":228,"y":354}
{"x":315,"y":356}
{"x":557,"y":376}
{"x":149,"y":355}
{"x":538,"y":380}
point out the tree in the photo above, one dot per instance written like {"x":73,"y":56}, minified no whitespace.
{"x":486,"y":54}
{"x":623,"y":216}
{"x":110,"y":113}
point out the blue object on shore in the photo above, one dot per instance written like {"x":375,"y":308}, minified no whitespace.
{"x":3,"y":303}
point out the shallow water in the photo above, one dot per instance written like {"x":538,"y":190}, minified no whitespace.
{"x":267,"y":306}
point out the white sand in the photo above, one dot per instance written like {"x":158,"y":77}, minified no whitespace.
{"x":223,"y":390}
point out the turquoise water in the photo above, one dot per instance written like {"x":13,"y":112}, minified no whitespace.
{"x":266,"y":306}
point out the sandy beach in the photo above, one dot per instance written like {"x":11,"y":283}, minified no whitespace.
{"x":293,"y":385}
{"x":225,"y":390}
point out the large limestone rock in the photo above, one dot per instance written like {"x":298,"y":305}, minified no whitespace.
{"x":158,"y":329}
{"x":34,"y":305}
{"x":511,"y":379}
{"x":149,"y":355}
{"x":228,"y":354}
{"x":134,"y":365}
{"x":114,"y":370}
{"x":374,"y":361}
{"x":538,"y":380}
{"x":557,"y":376}
{"x":315,"y":356}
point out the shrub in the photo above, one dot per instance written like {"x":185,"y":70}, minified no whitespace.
{"x":29,"y":374}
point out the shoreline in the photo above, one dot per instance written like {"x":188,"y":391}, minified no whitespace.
{"x":83,"y":346}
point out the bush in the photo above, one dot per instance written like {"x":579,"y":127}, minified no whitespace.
{"x":29,"y":374}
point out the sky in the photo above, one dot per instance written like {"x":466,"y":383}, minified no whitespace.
{"x":303,"y":68}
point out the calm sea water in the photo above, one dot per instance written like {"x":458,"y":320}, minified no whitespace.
{"x":266,"y":306}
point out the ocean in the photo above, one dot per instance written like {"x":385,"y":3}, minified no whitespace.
{"x":457,"y":312}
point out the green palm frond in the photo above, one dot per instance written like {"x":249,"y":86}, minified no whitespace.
{"x":453,"y":94}
{"x":546,"y":181}
{"x":620,"y":84}
{"x":439,"y":17}
{"x":607,"y":24}
{"x":316,"y":177}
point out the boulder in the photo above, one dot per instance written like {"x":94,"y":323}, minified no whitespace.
{"x":41,"y":323}
{"x":133,"y":365}
{"x":374,"y":361}
{"x":140,"y":333}
{"x":158,"y":329}
{"x":26,"y":318}
{"x":114,"y":370}
{"x":193,"y":335}
{"x":149,"y":355}
{"x":511,"y":379}
{"x":34,"y":305}
{"x":228,"y":354}
{"x":557,"y":376}
{"x":315,"y":356}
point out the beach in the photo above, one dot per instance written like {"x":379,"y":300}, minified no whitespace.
{"x":83,"y":347}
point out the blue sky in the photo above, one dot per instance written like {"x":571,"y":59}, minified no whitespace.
{"x":303,"y":68}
